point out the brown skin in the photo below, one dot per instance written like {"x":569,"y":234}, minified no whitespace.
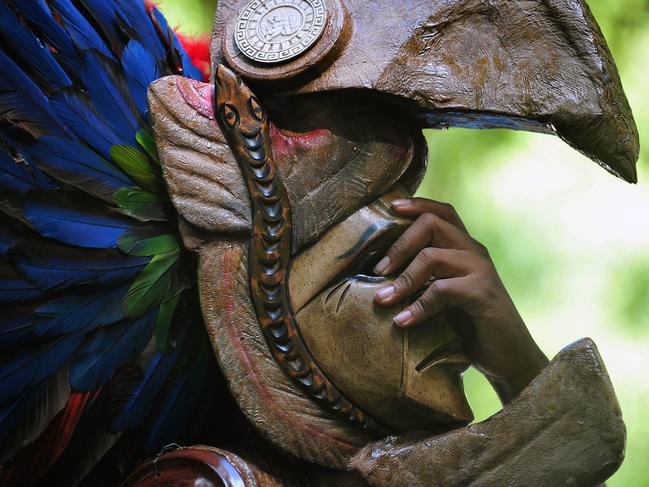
{"x":437,"y":246}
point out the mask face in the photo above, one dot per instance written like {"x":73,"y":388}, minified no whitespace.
{"x":408,"y":379}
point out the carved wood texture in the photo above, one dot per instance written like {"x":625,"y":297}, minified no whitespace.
{"x":246,"y":127}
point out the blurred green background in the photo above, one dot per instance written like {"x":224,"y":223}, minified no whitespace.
{"x":571,"y":242}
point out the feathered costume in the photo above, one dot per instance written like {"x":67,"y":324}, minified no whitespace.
{"x":102,"y":348}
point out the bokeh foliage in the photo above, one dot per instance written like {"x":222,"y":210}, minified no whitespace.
{"x":570,"y":241}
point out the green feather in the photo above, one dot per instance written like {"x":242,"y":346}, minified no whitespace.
{"x":140,"y":204}
{"x":138,"y":166}
{"x":163,"y":328}
{"x":145,"y":139}
{"x":162,"y":279}
{"x":148,"y":240}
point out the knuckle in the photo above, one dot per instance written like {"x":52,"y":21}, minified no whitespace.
{"x":482,"y":249}
{"x":400,"y":246}
{"x":426,"y":305}
{"x":427,"y":255}
{"x":404,"y":281}
{"x":429,"y":219}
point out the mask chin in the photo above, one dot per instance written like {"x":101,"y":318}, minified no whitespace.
{"x":408,"y":379}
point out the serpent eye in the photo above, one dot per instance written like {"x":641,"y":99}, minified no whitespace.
{"x":230,"y":115}
{"x":255,"y":109}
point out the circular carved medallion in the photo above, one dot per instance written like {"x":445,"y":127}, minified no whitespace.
{"x":273,"y":31}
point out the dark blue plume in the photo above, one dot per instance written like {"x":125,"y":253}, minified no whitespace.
{"x":81,"y":31}
{"x":74,"y":220}
{"x":109,"y":98}
{"x":14,"y":178}
{"x":7,"y":239}
{"x":15,"y":330}
{"x":81,"y":311}
{"x":189,"y":70}
{"x":172,"y":413}
{"x":14,"y":287}
{"x":139,"y":26}
{"x":104,"y":13}
{"x":141,"y":399}
{"x":55,"y":266}
{"x":79,"y":115}
{"x":33,"y":54}
{"x":107,"y":349}
{"x":78,"y":166}
{"x":141,"y":69}
{"x":39,"y":16}
{"x":27,"y":366}
{"x":23,"y":104}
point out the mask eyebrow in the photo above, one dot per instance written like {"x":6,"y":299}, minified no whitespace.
{"x":367,"y":234}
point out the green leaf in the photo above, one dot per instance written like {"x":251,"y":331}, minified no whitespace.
{"x":148,"y":240}
{"x":141,"y":204}
{"x":145,"y":139}
{"x":163,"y":324}
{"x":162,"y":279}
{"x":138,"y":166}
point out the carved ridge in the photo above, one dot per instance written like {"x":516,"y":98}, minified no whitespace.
{"x":245,"y":125}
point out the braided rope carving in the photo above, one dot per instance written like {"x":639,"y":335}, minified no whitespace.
{"x":246,"y":127}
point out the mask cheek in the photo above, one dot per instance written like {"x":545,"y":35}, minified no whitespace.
{"x":374,"y":363}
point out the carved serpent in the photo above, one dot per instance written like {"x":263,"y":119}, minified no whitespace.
{"x":245,"y":125}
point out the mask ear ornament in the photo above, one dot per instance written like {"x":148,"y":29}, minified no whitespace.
{"x":281,"y":39}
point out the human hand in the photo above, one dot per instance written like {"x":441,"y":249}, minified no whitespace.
{"x":436,"y":254}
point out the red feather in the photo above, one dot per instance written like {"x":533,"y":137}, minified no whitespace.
{"x":198,"y":48}
{"x":32,"y":462}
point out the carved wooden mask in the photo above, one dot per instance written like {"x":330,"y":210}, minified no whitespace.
{"x":284,"y":195}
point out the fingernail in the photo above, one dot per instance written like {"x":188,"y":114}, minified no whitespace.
{"x":400,"y":203}
{"x":403,"y":318}
{"x":385,"y":293}
{"x":382,"y":266}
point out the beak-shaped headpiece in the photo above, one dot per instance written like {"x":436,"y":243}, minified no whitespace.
{"x":540,"y":65}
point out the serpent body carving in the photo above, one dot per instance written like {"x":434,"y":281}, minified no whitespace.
{"x":246,"y":127}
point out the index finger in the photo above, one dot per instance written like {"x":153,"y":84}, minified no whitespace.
{"x":419,"y":206}
{"x":428,"y":230}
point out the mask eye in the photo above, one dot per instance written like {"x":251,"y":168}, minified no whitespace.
{"x":230,"y":116}
{"x":255,"y":109}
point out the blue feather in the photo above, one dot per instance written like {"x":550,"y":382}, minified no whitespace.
{"x":38,"y":14}
{"x":110,"y":99}
{"x":80,"y":30}
{"x":19,"y":174}
{"x":174,"y":407}
{"x":14,"y":178}
{"x":23,"y":104}
{"x":54,"y":266}
{"x":139,"y":25}
{"x":141,"y":69}
{"x":78,"y":166}
{"x":132,"y":413}
{"x":7,"y":239}
{"x":14,"y":287}
{"x":33,"y":54}
{"x":27,"y":366}
{"x":108,"y":349}
{"x":77,"y":113}
{"x":105,"y":15}
{"x":81,"y":311}
{"x":189,"y":70}
{"x":75,"y":221}
{"x":15,"y":330}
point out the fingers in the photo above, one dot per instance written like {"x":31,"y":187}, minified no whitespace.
{"x":430,"y":262}
{"x":428,"y":230}
{"x":418,"y":206}
{"x":441,"y":293}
